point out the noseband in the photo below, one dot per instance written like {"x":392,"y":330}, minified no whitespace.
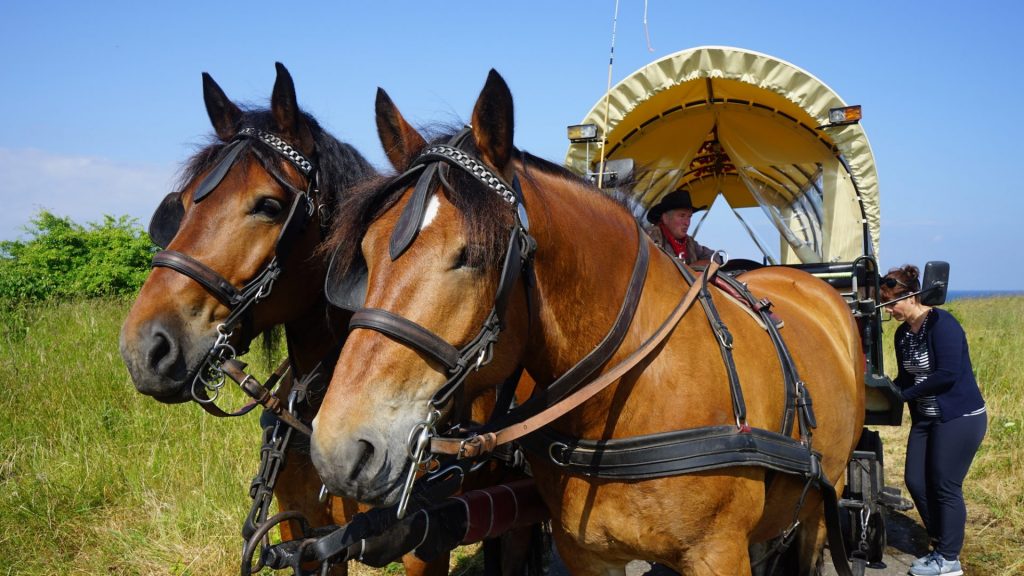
{"x":239,"y":301}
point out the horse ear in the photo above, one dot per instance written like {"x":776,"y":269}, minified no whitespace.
{"x":493,"y":122}
{"x":400,"y":140}
{"x":223,"y":113}
{"x":284,"y":106}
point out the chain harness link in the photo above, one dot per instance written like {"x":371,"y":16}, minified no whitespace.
{"x":286,"y":149}
{"x":475,"y":168}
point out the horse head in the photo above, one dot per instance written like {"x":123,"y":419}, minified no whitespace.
{"x":432,"y":243}
{"x":239,"y":238}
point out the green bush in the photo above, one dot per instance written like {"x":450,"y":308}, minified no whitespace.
{"x":63,"y":259}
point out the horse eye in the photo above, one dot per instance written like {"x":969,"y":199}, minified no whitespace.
{"x":268,"y":207}
{"x":470,"y":256}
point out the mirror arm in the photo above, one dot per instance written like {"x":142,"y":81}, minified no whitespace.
{"x":934,"y":286}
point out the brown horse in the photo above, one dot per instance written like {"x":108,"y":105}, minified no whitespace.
{"x":442,"y":274}
{"x":234,"y":227}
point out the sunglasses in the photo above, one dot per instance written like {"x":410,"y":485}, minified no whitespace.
{"x":890,"y":282}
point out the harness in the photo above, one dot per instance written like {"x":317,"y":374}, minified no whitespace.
{"x":636,"y":458}
{"x":209,"y":378}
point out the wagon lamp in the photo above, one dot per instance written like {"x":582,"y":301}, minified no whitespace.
{"x":843,"y":116}
{"x":579,"y":133}
{"x":583,"y":134}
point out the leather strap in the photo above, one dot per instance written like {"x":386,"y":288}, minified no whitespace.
{"x":583,"y":369}
{"x":214,"y":283}
{"x":477,"y":445}
{"x":673,"y":453}
{"x":406,"y":332}
{"x":235,"y":370}
{"x":791,"y":379}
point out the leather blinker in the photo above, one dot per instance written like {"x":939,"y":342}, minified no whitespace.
{"x":346,"y":289}
{"x":166,"y":220}
{"x":214,"y":178}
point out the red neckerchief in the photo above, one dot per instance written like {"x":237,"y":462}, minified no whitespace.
{"x":678,"y":248}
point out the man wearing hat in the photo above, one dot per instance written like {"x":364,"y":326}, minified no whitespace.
{"x":671,"y":220}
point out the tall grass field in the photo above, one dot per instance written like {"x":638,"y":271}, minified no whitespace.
{"x":98,"y":479}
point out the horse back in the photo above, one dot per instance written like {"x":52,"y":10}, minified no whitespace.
{"x":821,"y":335}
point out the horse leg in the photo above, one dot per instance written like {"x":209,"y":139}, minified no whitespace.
{"x":580,"y":561}
{"x":727,"y":554}
{"x":520,"y":552}
{"x":811,"y":541}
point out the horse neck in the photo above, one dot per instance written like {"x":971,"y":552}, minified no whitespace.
{"x":317,"y":332}
{"x":587,"y":246}
{"x":313,"y":336}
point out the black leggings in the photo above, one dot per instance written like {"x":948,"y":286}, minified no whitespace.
{"x":938,"y":457}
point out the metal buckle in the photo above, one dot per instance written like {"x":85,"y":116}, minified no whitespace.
{"x":559,"y":459}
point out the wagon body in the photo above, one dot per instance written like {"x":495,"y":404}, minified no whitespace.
{"x":746,"y":132}
{"x":751,"y":134}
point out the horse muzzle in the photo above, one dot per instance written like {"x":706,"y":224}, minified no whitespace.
{"x":160,"y":361}
{"x":367,"y":467}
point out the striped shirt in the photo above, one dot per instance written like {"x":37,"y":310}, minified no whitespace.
{"x":917,"y":363}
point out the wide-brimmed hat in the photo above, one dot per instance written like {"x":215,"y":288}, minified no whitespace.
{"x":671,"y":201}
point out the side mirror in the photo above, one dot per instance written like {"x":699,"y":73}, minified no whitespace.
{"x":935,"y":283}
{"x":615,"y":172}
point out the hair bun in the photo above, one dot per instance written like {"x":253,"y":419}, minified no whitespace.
{"x":912,"y":272}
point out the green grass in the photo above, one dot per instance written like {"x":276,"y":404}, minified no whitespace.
{"x":94,"y":477}
{"x":97,"y":479}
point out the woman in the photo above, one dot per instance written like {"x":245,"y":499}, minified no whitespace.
{"x":947,"y":413}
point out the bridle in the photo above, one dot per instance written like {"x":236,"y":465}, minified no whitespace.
{"x":210,"y":376}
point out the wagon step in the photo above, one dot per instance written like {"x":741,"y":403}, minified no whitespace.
{"x":892,"y":498}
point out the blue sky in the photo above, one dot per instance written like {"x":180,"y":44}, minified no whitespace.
{"x":102,"y":101}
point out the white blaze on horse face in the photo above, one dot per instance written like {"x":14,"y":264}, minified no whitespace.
{"x":431,"y":212}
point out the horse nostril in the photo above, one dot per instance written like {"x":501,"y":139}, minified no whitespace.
{"x":162,"y":355}
{"x":365,"y":454}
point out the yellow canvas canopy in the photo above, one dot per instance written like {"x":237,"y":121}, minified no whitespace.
{"x":751,"y":128}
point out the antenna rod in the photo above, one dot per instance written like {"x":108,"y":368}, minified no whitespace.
{"x":607,"y":96}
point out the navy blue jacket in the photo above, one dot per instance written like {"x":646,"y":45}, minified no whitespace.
{"x":952,"y":379}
